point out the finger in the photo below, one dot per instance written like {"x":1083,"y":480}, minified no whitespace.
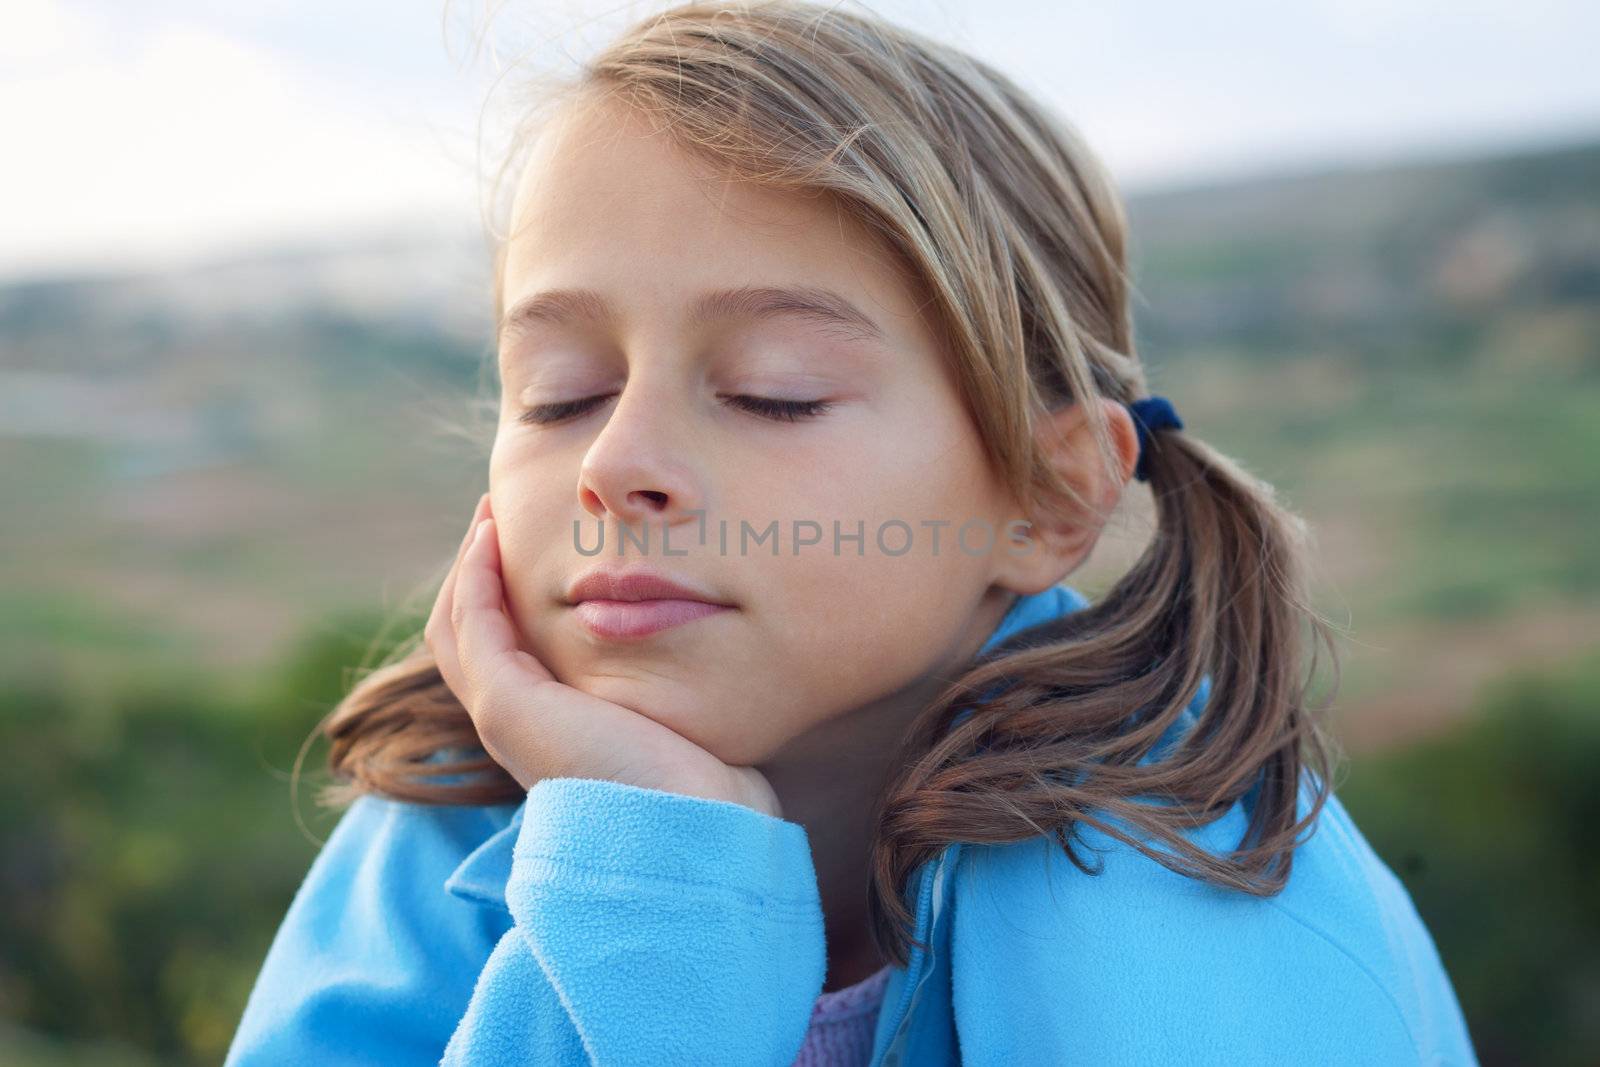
{"x":485,"y":638}
{"x":439,"y":631}
{"x":479,"y":513}
{"x":441,"y":602}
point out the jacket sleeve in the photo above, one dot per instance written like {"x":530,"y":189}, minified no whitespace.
{"x":374,"y":962}
{"x":648,"y":927}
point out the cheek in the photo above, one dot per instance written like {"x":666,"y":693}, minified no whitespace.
{"x":829,"y":634}
{"x":835,"y":630}
{"x":867,"y":625}
{"x":853,"y":626}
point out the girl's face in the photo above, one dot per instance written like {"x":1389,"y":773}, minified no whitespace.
{"x":661,"y":297}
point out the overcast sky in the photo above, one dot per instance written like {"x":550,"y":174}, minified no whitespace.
{"x":162,"y":129}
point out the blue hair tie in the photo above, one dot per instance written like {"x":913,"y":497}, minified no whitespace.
{"x":1149,"y":415}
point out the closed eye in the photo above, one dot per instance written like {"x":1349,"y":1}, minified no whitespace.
{"x":543,"y":414}
{"x":765,"y":407}
{"x":785,"y":410}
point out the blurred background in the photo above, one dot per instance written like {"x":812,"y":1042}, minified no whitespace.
{"x":244,"y":351}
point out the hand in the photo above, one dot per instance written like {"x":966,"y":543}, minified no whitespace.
{"x":536,"y":727}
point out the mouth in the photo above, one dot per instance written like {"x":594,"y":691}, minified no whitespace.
{"x":618,"y":605}
{"x":621,"y":619}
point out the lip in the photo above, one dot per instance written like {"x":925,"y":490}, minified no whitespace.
{"x":628,"y":604}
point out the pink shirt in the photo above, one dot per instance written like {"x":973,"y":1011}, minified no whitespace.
{"x":842,"y":1024}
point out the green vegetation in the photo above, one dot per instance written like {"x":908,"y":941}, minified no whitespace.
{"x":1495,"y":831}
{"x":151,"y":848}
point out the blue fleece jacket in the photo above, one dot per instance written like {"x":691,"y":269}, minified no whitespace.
{"x":602,"y":923}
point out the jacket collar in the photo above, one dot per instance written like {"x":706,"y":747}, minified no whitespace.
{"x":932,"y":879}
{"x":896,"y":1038}
{"x":481,"y":876}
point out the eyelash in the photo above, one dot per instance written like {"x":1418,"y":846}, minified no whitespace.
{"x":765,"y":407}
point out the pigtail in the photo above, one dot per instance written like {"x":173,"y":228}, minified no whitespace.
{"x":1063,"y":713}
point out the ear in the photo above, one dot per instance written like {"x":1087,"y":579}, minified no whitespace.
{"x":1065,"y":531}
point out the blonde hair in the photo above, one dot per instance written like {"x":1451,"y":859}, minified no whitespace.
{"x":1019,"y":236}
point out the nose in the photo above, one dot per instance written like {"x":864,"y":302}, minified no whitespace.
{"x":638,"y":469}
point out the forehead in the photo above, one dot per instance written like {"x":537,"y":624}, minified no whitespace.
{"x":607,"y":201}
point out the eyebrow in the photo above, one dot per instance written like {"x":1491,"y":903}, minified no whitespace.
{"x":814,"y":303}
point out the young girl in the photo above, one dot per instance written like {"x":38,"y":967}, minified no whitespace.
{"x":753,"y":724}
